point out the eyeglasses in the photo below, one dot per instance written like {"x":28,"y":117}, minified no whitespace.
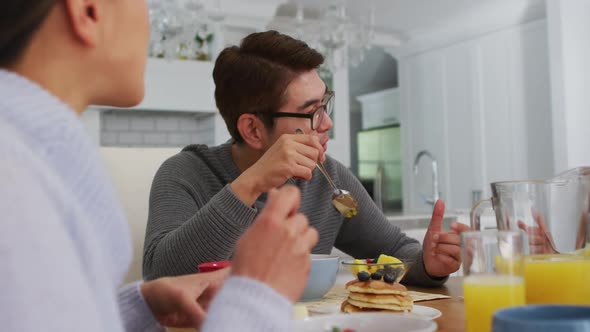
{"x":316,"y":116}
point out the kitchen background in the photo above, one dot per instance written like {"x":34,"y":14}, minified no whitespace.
{"x":490,"y":89}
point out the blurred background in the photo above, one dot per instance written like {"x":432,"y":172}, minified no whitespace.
{"x":433,"y":98}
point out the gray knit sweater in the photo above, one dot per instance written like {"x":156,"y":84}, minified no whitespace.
{"x":194,"y":216}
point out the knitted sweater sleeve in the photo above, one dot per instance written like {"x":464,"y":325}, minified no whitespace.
{"x":369,"y":233}
{"x":248,"y":305}
{"x":42,"y":284}
{"x":135,"y":313}
{"x":187,"y":224}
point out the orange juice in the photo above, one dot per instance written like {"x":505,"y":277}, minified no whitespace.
{"x":484,"y":294}
{"x":563,"y":279}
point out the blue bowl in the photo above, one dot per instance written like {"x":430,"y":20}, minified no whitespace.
{"x":322,"y":276}
{"x":542,"y":318}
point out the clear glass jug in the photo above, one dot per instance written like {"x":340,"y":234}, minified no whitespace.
{"x":554,"y":217}
{"x":553,"y":213}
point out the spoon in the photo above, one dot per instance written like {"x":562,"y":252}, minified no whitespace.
{"x":341,"y":199}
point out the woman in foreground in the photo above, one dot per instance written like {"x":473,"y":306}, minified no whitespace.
{"x":64,"y":242}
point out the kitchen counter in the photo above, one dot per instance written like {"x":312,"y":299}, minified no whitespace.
{"x":421,"y":221}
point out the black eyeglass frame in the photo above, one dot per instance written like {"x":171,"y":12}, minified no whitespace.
{"x":326,"y":107}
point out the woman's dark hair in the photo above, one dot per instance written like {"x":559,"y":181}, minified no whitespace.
{"x":19,"y":19}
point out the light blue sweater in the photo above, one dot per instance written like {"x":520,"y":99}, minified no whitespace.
{"x":64,"y":242}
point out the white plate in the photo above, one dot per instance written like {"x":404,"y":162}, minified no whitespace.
{"x":424,"y":312}
{"x":418,"y":311}
{"x":365,"y":322}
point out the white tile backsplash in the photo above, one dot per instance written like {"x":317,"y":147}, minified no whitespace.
{"x":133,"y":128}
{"x":142,"y":123}
{"x":168,"y":123}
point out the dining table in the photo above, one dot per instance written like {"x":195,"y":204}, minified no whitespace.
{"x":452,"y":308}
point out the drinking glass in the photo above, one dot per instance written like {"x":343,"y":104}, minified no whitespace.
{"x":554,"y":217}
{"x":494,"y":275}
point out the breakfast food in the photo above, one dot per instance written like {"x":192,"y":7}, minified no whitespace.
{"x":377,"y":287}
{"x":338,"y":329}
{"x":376,"y":294}
{"x":372,"y":265}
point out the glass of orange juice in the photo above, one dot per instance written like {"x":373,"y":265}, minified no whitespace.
{"x":494,"y":275}
{"x":557,"y":279}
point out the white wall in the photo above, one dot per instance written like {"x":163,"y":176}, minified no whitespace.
{"x":569,"y":41}
{"x":132,"y":171}
{"x":339,"y":146}
{"x":91,"y":121}
{"x":482,"y":108}
{"x":179,"y":86}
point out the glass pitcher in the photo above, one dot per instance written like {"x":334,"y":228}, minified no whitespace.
{"x":554,"y":217}
{"x":553,"y":213}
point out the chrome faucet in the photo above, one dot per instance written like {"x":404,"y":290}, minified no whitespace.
{"x":435,"y":194}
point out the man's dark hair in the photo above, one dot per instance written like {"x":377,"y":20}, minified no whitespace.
{"x":253,"y":77}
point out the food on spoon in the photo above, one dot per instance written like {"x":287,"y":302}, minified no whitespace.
{"x":347,"y":206}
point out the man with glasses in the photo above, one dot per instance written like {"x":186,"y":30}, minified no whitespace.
{"x":204,"y":198}
{"x":316,"y":115}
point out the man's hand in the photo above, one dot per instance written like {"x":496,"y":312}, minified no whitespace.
{"x":182,"y":301}
{"x":291,"y":156}
{"x":540,"y":239}
{"x":442,"y":250}
{"x":276,"y":248}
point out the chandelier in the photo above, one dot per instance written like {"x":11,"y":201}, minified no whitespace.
{"x":188,"y":29}
{"x":332,"y":32}
{"x":183,"y":29}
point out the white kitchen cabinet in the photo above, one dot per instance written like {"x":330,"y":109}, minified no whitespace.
{"x":380,"y":108}
{"x":482,"y":108}
{"x":179,"y":85}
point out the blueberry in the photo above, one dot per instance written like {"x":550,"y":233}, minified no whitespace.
{"x":393,"y":271}
{"x":389,"y":269}
{"x":389,"y":278}
{"x":363,"y":276}
{"x":376,"y":275}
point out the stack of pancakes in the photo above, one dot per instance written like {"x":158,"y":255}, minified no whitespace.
{"x":376,"y":295}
